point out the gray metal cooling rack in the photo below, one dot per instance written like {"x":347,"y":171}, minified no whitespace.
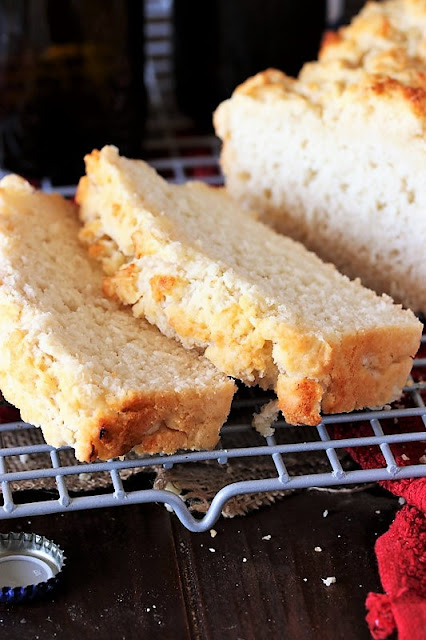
{"x":176,"y":152}
{"x":277,"y":447}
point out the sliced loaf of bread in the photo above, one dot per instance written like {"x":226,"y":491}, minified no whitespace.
{"x":77,"y":365}
{"x":336,"y":158}
{"x":257,"y":304}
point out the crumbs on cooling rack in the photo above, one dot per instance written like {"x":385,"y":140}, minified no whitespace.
{"x":328,"y":581}
{"x":422,"y":459}
{"x":266,"y":417}
{"x":404,"y":457}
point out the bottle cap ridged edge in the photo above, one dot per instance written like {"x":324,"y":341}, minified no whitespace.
{"x":32,"y":545}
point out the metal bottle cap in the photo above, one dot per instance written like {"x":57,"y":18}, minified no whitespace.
{"x":30,"y":567}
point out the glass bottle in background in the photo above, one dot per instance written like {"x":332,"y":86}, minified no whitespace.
{"x":71,"y":79}
{"x":220,"y":43}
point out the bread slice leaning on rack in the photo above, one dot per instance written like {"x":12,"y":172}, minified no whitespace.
{"x":336,"y":158}
{"x":259,"y":305}
{"x":76,"y":364}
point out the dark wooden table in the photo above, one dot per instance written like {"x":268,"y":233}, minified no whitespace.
{"x":135,"y":572}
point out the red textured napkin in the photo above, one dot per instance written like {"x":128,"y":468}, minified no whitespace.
{"x":401,"y":551}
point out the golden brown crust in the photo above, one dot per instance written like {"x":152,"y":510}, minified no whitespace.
{"x":124,"y":281}
{"x":389,"y":88}
{"x":165,"y":285}
{"x":380,"y":56}
{"x":329,"y":39}
{"x":275,"y":85}
{"x":268,"y":84}
{"x":158,"y":423}
{"x":363,"y":370}
{"x":299,"y":400}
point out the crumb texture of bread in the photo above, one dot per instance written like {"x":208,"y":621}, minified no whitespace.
{"x":75,"y":363}
{"x":335,"y":158}
{"x":260,"y":306}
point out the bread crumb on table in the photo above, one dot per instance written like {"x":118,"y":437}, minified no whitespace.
{"x":325,"y":513}
{"x":213,"y":533}
{"x":318,"y":549}
{"x":268,"y":537}
{"x":170,"y":486}
{"x":328,"y":581}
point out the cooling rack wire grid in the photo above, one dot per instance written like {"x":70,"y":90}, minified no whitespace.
{"x":178,"y":154}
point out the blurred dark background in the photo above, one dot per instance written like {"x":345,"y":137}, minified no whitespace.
{"x":72,"y":71}
{"x":71,"y":79}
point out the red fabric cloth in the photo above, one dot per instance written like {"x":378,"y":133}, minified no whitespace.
{"x":401,"y":554}
{"x":401,"y":551}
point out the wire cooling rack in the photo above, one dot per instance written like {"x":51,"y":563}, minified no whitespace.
{"x":179,"y":154}
{"x":387,"y":428}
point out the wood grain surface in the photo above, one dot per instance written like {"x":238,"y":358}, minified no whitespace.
{"x":135,"y":572}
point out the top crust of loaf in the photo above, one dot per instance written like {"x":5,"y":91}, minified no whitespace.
{"x":75,"y":363}
{"x":378,"y":62}
{"x":259,"y":305}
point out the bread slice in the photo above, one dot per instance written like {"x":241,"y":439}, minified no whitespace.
{"x":76,"y":364}
{"x":336,"y":158}
{"x":257,"y":304}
